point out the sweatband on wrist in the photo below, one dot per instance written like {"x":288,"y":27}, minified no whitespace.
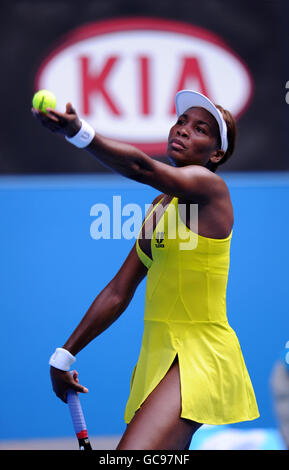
{"x":62,"y":359}
{"x":83,"y":137}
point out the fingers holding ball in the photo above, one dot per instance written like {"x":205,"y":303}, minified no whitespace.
{"x":43,"y":103}
{"x":44,"y":99}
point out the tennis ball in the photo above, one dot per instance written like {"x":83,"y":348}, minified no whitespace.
{"x":44,"y":99}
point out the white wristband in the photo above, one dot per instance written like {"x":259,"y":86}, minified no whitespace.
{"x":62,"y":359}
{"x":83,"y":137}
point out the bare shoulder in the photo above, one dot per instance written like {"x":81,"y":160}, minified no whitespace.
{"x":206,"y":182}
{"x":199,"y":171}
{"x":221,"y":184}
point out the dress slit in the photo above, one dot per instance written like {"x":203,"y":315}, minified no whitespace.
{"x":175,"y":359}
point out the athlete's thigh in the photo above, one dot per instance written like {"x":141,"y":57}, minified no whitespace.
{"x":157,"y":424}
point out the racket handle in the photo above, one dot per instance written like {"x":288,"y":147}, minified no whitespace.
{"x":76,"y":414}
{"x":78,"y":419}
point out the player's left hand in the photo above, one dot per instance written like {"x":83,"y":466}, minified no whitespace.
{"x":67,"y":123}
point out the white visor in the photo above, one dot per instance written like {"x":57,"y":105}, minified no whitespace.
{"x":186,"y":99}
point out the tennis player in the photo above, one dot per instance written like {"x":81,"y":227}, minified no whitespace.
{"x":190,"y":370}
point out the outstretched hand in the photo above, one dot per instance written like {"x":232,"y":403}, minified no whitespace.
{"x":67,"y":123}
{"x":63,"y":381}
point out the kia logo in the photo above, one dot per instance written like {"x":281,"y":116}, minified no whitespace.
{"x":122,"y":76}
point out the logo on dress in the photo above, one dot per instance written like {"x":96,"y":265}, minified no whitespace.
{"x":159,"y":240}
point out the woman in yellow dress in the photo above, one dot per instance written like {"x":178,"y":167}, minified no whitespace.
{"x":190,"y":370}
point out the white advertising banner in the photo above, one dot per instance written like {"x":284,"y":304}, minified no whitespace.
{"x":122,"y":76}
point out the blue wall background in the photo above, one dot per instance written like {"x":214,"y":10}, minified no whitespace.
{"x":51,"y":270}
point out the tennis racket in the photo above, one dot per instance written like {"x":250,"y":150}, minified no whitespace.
{"x":78,"y":420}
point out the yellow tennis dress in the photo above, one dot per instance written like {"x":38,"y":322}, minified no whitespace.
{"x":185,"y":315}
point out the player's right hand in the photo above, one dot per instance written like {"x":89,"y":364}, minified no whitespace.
{"x":67,"y":123}
{"x":63,"y":381}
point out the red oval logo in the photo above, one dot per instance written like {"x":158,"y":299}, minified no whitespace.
{"x":122,"y":76}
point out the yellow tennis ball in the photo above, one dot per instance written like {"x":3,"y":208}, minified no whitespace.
{"x":44,"y":99}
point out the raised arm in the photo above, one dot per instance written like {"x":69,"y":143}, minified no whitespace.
{"x":193,"y":182}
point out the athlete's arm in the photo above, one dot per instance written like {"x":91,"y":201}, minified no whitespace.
{"x":192,"y":182}
{"x":105,"y":309}
{"x":109,"y":304}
